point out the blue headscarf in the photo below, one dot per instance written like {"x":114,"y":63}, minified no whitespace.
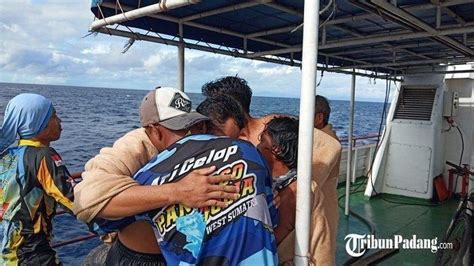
{"x":27,"y":115}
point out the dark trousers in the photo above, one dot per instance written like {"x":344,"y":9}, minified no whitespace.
{"x":121,"y":255}
{"x":43,"y":257}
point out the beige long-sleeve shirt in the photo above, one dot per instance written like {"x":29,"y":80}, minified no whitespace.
{"x":330,"y":131}
{"x":110,"y":172}
{"x":324,"y":206}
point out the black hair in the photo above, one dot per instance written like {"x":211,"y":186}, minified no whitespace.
{"x":284,"y":134}
{"x":232,"y":86}
{"x":220,"y":108}
{"x":322,"y":106}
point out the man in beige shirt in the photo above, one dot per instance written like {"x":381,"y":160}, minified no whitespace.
{"x":324,"y":208}
{"x":321,"y":116}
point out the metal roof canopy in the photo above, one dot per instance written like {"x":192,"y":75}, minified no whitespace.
{"x":384,"y":39}
{"x":377,"y":37}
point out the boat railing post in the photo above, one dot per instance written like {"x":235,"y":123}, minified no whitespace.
{"x":306,"y":130}
{"x":355,"y":159}
{"x":181,"y":59}
{"x":368,"y":162}
{"x":351,"y":144}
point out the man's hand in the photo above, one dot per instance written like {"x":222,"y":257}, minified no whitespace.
{"x":75,"y":178}
{"x":201,"y":189}
{"x":197,"y":189}
{"x":286,"y":212}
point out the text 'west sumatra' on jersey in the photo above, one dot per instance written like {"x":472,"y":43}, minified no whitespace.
{"x":215,"y":217}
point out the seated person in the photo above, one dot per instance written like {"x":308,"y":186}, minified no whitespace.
{"x":240,"y":232}
{"x":33,"y":181}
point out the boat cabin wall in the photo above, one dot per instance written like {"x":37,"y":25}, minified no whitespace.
{"x":415,"y":148}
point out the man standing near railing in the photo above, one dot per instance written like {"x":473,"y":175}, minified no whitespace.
{"x":321,"y":116}
{"x":33,"y":181}
{"x":326,"y":210}
{"x":324,"y":207}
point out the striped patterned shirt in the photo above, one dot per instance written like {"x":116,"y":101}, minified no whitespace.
{"x":32,"y":182}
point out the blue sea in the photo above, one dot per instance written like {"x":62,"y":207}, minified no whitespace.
{"x":93,"y":118}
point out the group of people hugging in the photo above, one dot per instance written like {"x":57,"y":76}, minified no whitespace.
{"x":214,"y":186}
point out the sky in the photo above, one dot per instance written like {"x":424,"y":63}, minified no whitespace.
{"x":41,"y":42}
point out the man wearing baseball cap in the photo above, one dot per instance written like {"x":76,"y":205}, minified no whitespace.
{"x":174,"y":114}
{"x":108,"y":190}
{"x":239,"y":232}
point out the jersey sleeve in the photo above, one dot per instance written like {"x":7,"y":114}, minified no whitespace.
{"x":55,"y":179}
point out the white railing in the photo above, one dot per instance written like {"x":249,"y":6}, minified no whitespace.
{"x":361,"y":157}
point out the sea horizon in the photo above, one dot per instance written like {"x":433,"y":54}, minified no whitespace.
{"x":255,"y":93}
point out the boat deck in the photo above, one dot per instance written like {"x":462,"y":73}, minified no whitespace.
{"x":389,"y":219}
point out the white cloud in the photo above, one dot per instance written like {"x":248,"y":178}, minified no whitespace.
{"x":46,"y":46}
{"x":97,"y":49}
{"x":153,"y":61}
{"x":14,"y":29}
{"x":94,"y":70}
{"x":49,"y":80}
{"x":58,"y":57}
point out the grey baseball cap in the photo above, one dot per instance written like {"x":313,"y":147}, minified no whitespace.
{"x":170,"y":108}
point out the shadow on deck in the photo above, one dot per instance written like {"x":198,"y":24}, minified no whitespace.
{"x":395,"y":219}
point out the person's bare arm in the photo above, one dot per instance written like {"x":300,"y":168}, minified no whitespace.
{"x":197,"y":189}
{"x":286,"y":212}
{"x":110,"y":173}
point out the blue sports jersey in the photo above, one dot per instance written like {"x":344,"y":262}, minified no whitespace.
{"x":241,"y":233}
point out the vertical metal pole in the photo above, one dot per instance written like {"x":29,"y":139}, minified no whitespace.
{"x":181,"y":59}
{"x":306,"y":129}
{"x":368,"y":162}
{"x":354,"y":164}
{"x":351,"y":145}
